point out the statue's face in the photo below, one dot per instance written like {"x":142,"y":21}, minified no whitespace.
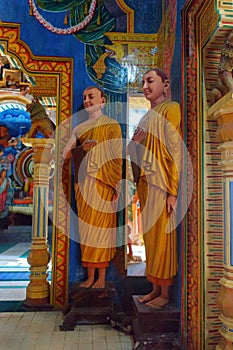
{"x":153,"y":86}
{"x":93,"y":101}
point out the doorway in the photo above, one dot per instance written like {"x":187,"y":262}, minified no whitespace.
{"x":17,"y":91}
{"x":137,"y":107}
{"x":49,"y":72}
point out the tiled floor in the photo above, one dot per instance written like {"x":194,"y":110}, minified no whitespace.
{"x":40,"y":331}
{"x":14,"y":270}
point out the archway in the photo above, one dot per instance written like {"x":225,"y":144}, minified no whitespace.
{"x":51,"y":73}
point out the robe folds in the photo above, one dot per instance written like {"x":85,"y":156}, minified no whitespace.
{"x":159,"y":157}
{"x":95,"y":191}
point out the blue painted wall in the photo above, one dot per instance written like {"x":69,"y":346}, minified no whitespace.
{"x":148,"y":15}
{"x":176,"y":84}
{"x":176,"y":68}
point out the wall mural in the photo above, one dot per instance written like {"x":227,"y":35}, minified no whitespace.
{"x":115,"y":56}
{"x":15,"y":158}
{"x":19,"y":118}
{"x":88,"y":21}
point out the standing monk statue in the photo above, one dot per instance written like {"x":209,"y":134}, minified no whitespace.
{"x":96,"y":148}
{"x":155,"y":152}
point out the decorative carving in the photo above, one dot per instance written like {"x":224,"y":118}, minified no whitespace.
{"x":224,"y":82}
{"x":139,"y":45}
{"x":40,"y":120}
{"x":225,"y":300}
{"x":100,"y":66}
{"x":167,"y":36}
{"x":46,"y":86}
{"x":222,"y":112}
{"x":208,"y":23}
{"x":136,"y":53}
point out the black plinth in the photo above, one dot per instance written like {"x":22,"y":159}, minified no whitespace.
{"x":155,"y":328}
{"x":88,"y":306}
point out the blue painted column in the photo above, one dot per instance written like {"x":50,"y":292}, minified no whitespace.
{"x":38,"y":289}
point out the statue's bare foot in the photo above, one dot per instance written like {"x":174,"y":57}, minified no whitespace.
{"x":87,"y":284}
{"x":157,"y":303}
{"x":148,"y":297}
{"x":99,"y":284}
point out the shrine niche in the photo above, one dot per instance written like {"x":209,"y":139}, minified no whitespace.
{"x":48,"y":74}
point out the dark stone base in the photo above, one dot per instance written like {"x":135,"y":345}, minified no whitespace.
{"x":37,"y":304}
{"x":155,"y":328}
{"x":88,"y":306}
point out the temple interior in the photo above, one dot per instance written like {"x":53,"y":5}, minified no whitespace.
{"x":50,"y":52}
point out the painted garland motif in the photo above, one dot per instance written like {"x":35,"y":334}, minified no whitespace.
{"x":63,"y":31}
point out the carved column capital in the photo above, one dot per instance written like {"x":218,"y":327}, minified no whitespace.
{"x":222,"y":111}
{"x":42,"y":148}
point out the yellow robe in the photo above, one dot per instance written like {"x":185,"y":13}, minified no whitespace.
{"x":97,"y":217}
{"x":159,"y":159}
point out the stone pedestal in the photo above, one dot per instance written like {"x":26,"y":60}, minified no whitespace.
{"x":38,"y":290}
{"x":88,"y":306}
{"x":222,"y":111}
{"x":155,"y":328}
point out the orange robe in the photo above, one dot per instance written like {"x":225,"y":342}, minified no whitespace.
{"x":94,"y":194}
{"x":159,"y":159}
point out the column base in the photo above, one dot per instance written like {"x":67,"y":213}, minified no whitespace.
{"x":38,"y":304}
{"x":36,"y":291}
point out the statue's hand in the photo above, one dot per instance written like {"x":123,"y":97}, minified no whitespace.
{"x":171,"y":203}
{"x":115,"y":200}
{"x":139,"y":135}
{"x":87,"y":145}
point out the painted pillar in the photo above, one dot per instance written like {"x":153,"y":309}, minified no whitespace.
{"x":38,"y":289}
{"x":222,"y":111}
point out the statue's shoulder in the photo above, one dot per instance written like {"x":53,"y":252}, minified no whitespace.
{"x":170,"y":105}
{"x":173,"y":103}
{"x":109,"y":120}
